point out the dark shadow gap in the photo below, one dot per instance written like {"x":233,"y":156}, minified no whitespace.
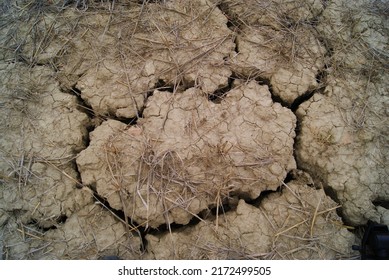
{"x":381,"y":202}
{"x":264,"y":194}
{"x":143,"y":231}
{"x":127,"y":121}
{"x":301,"y":99}
{"x":58,"y":222}
{"x":222,"y":209}
{"x":290,"y":177}
{"x":79,"y":184}
{"x":183,"y":85}
{"x":161,"y":85}
{"x":221,"y":93}
{"x":233,"y":21}
{"x":329,"y":191}
{"x":226,"y":206}
{"x":297,"y":131}
{"x":118,"y":213}
{"x":276,"y":99}
{"x":35,"y":223}
{"x":82,"y":106}
{"x":236,"y":43}
{"x":62,"y":219}
{"x":321,"y":79}
{"x":319,"y":182}
{"x":174,"y":227}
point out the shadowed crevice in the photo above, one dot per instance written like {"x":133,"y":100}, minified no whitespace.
{"x":381,"y":202}
{"x":321,"y":79}
{"x":221,"y":93}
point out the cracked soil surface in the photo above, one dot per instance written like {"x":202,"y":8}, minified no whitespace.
{"x":206,"y":129}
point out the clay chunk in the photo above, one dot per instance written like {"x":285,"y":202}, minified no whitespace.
{"x":188,"y":154}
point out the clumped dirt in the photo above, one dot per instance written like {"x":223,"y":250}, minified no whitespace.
{"x":42,"y":132}
{"x":188,"y":154}
{"x":344,"y":131}
{"x":174,"y":44}
{"x":192,"y":129}
{"x":279,"y":227}
{"x":278,"y":42}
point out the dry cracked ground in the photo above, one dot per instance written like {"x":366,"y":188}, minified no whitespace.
{"x":206,"y":129}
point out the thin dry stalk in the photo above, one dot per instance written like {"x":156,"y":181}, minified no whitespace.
{"x":111,"y":151}
{"x":263,"y":212}
{"x":314,"y":217}
{"x":292,"y":227}
{"x":50,"y":162}
{"x":303,"y":204}
{"x":24,"y":234}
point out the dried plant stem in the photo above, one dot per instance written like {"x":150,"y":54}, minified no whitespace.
{"x":314,"y":217}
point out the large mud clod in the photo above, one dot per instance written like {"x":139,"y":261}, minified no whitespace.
{"x":347,"y":150}
{"x":344,"y":134}
{"x":299,"y":223}
{"x":177,"y":44}
{"x":188,"y":154}
{"x":277,"y":41}
{"x":89,"y":233}
{"x":42,"y":131}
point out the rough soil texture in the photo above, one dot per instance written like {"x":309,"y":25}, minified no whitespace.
{"x":192,"y":129}
{"x":278,"y":228}
{"x":344,"y":131}
{"x":188,"y":154}
{"x":348,"y":150}
{"x":174,"y":44}
{"x":42,"y":134}
{"x":278,"y":43}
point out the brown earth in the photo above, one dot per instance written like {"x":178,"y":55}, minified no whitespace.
{"x":207,"y":129}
